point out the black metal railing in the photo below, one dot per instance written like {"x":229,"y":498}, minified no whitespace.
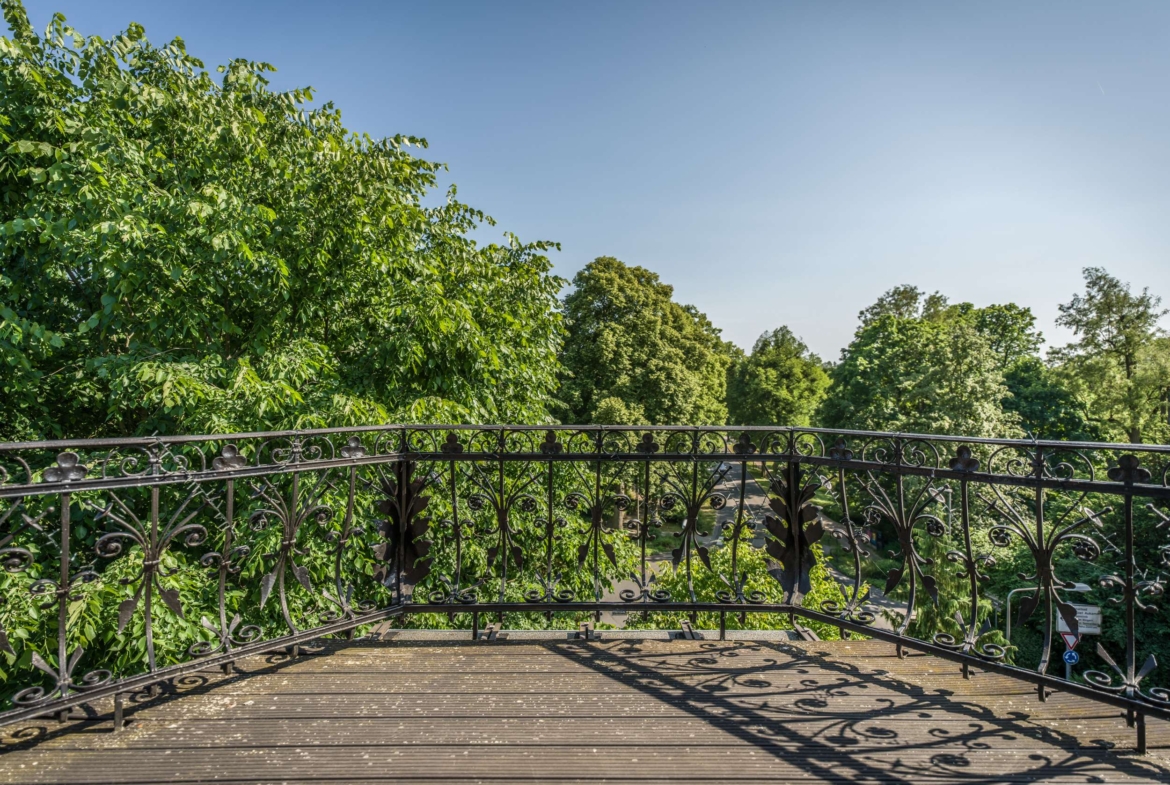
{"x":131,"y":562}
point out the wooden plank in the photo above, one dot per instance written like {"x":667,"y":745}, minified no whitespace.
{"x":618,"y":711}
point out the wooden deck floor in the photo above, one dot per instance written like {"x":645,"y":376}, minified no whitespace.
{"x":613,"y":711}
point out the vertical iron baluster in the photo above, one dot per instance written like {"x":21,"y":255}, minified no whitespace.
{"x":1038,"y":465}
{"x":736,"y":582}
{"x":735,"y":535}
{"x":1129,"y":471}
{"x":502,"y":511}
{"x":1130,"y":601}
{"x":290,"y":534}
{"x":644,"y":529}
{"x":63,"y":668}
{"x":972,"y":572}
{"x":229,"y":530}
{"x":146,"y":600}
{"x":402,"y":471}
{"x":852,"y":604}
{"x":598,"y":511}
{"x":687,"y":540}
{"x":792,"y":479}
{"x":548,"y":529}
{"x":738,"y":527}
{"x":970,"y":633}
{"x":458,"y":530}
{"x":854,"y":607}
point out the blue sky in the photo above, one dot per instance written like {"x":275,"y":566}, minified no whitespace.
{"x":778,"y":163}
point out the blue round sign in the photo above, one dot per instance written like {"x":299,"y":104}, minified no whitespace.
{"x":1071,"y":657}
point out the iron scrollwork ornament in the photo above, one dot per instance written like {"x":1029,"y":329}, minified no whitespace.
{"x":855,"y":606}
{"x":1042,"y":541}
{"x":974,"y":635}
{"x":291,"y":513}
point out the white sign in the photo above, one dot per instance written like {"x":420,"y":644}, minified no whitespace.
{"x":1088,"y":620}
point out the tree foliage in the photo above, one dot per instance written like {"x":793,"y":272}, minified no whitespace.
{"x":1119,"y":366}
{"x":780,"y":383}
{"x":634,"y":356}
{"x":189,"y":253}
{"x":923,"y":368}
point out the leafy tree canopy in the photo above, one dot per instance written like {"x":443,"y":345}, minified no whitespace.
{"x":781,"y":383}
{"x":920,"y":364}
{"x":633,"y":355}
{"x":189,"y":253}
{"x":904,"y":302}
{"x":1047,"y":408}
{"x":1119,"y":366}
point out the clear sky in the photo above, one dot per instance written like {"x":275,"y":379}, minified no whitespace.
{"x":778,"y":163}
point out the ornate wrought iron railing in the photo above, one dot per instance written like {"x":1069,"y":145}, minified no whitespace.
{"x":131,"y":562}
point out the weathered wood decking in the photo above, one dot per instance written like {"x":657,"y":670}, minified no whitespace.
{"x":612,"y":710}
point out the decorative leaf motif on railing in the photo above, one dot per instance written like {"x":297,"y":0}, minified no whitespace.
{"x":1129,"y":684}
{"x":228,"y":561}
{"x":639,"y":531}
{"x":1145,"y":588}
{"x":453,"y":591}
{"x":454,"y":531}
{"x":68,"y":469}
{"x":1043,"y":551}
{"x":229,"y":459}
{"x":793,"y":531}
{"x":64,"y":680}
{"x":502,"y":491}
{"x":854,"y":608}
{"x":549,"y":580}
{"x":405,"y":554}
{"x":596,"y":505}
{"x":1042,"y":544}
{"x":973,"y":634}
{"x":905,"y":511}
{"x":736,"y":531}
{"x":692,"y":485}
{"x":154,"y":538}
{"x":18,"y":559}
{"x":342,"y":599}
{"x":640,"y":528}
{"x":291,"y":512}
{"x":1134,"y":584}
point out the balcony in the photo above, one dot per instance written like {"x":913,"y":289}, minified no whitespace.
{"x":471,"y":602}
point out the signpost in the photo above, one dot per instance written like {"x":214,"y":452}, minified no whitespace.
{"x":1088,"y":620}
{"x":1088,"y":623}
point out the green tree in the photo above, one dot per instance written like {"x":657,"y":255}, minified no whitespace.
{"x":1040,"y":398}
{"x":921,"y":367}
{"x":1118,"y":366}
{"x":904,"y":302}
{"x":780,"y":383}
{"x":633,"y":354}
{"x":186,"y":253}
{"x":1047,"y":408}
{"x":1010,"y":331}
